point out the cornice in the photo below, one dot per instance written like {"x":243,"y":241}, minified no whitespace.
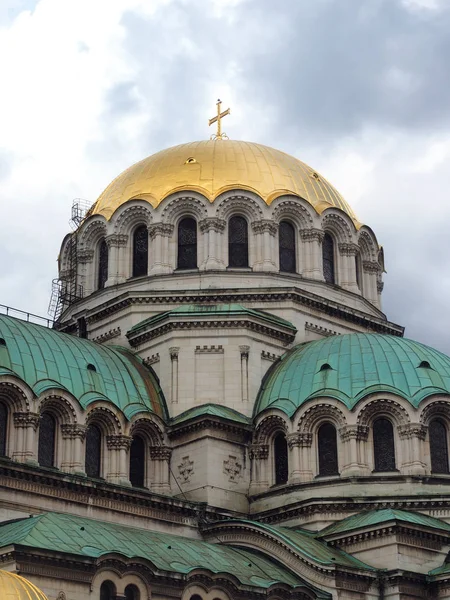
{"x":203,"y":422}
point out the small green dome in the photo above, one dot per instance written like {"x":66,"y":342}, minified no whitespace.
{"x":348,"y":367}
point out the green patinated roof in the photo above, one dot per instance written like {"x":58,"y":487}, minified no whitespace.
{"x":215,"y":410}
{"x":377,"y":517}
{"x":216,"y":310}
{"x":361,"y":363}
{"x":45,"y":359}
{"x":90,"y":538}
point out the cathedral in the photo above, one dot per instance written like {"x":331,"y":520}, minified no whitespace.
{"x":221,"y":410}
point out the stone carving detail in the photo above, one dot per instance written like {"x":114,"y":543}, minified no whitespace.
{"x":151,"y":360}
{"x":232,"y":468}
{"x":212,"y":223}
{"x":440,"y":408}
{"x":383,"y":408}
{"x":269,"y":355}
{"x":321,"y":412}
{"x":370,"y":266}
{"x":160,"y":452}
{"x":259,"y":451}
{"x":118,"y":442}
{"x":312,"y":235}
{"x":380,"y":286}
{"x":320,"y":330}
{"x":411,"y":430}
{"x":164,"y":229}
{"x":108,"y":335}
{"x":25,"y":419}
{"x":348,"y":249}
{"x":244,"y":350}
{"x":72,"y":431}
{"x":118,"y":240}
{"x":186,"y":469}
{"x":84,"y":256}
{"x":265,"y":225}
{"x":237,"y":204}
{"x":209,"y":349}
{"x":61,"y":596}
{"x":292,"y":209}
{"x":174,"y":352}
{"x":357,"y":432}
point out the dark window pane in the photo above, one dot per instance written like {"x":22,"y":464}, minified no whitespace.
{"x":93,"y":451}
{"x":328,"y":258}
{"x":286,"y":243}
{"x":46,"y":443}
{"x":131,"y":592}
{"x":140,"y":251}
{"x":187,"y":244}
{"x":102,"y":264}
{"x":137,"y":462}
{"x":281,"y":459}
{"x":107,"y":591}
{"x":237,"y":242}
{"x":3,"y":428}
{"x":328,"y":454}
{"x":438,"y":447}
{"x":358,"y":270}
{"x":383,"y":445}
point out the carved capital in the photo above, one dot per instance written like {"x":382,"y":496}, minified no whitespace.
{"x":312,"y":235}
{"x":356,"y":432}
{"x":163,"y":229}
{"x":26,"y":419}
{"x":412,"y":430}
{"x":305,"y":439}
{"x":116,"y":240}
{"x":160,"y":452}
{"x":293,"y":440}
{"x":212,"y":223}
{"x":85,"y":256}
{"x":370,"y":266}
{"x":259,"y":451}
{"x":118,"y":442}
{"x":380,"y":286}
{"x":265,"y":225}
{"x":71,"y":431}
{"x":174,"y":351}
{"x":244,"y":350}
{"x":346,"y":249}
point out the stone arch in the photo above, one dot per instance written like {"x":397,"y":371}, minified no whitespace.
{"x":248,"y":205}
{"x":291,"y":209}
{"x":105,"y":418}
{"x":382,"y":407}
{"x":268,"y":427}
{"x":338,"y":225}
{"x":14,"y":396}
{"x":91,"y":232}
{"x":436,"y":409}
{"x":368,"y":245}
{"x":148,"y":429}
{"x":131,"y":215}
{"x":180,"y":206}
{"x":65,"y":252}
{"x":60,"y":406}
{"x":318,"y":414}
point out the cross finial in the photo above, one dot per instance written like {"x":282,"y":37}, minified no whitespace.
{"x":217,"y":119}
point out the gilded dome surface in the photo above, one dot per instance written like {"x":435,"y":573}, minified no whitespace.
{"x":213,"y":167}
{"x":14,"y":587}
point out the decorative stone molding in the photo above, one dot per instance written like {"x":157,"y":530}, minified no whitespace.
{"x":108,"y":335}
{"x":118,"y":442}
{"x":239,"y":204}
{"x":380,"y":286}
{"x":184,"y":206}
{"x":259,"y":451}
{"x":213,"y":223}
{"x":186,"y":469}
{"x":305,"y":439}
{"x":320,"y":330}
{"x":160,"y":452}
{"x":131,"y":216}
{"x":370,"y":266}
{"x":244,"y":350}
{"x":294,"y":440}
{"x":232,"y":468}
{"x":439,"y":408}
{"x":356,"y":432}
{"x":339,"y":225}
{"x":91,"y":232}
{"x":61,"y":596}
{"x":209,"y":349}
{"x":173,"y":352}
{"x":117,"y":240}
{"x":292,"y":209}
{"x":71,"y":431}
{"x":269,"y":356}
{"x":312,"y":235}
{"x":83,"y":256}
{"x":151,"y":360}
{"x":163,"y":229}
{"x":321,"y":412}
{"x":347,"y":249}
{"x":265,"y":225}
{"x":411,"y":430}
{"x":381,"y":408}
{"x":368,"y":246}
{"x":26,"y":419}
{"x":268,"y":426}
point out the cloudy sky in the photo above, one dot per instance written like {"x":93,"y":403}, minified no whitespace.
{"x":358,"y":89}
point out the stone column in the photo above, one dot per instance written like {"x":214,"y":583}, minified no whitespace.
{"x":117,"y":250}
{"x":370,"y":274}
{"x":86,"y":271}
{"x":351,"y":435}
{"x":347,"y":272}
{"x":73,"y":436}
{"x":412,"y":436}
{"x":174,"y":351}
{"x":28,"y":424}
{"x":265,"y":232}
{"x":118,"y":446}
{"x":160,"y":455}
{"x":294,"y":445}
{"x":259,"y":454}
{"x":312,"y":242}
{"x":212,"y":230}
{"x":158,"y":255}
{"x":306,"y":460}
{"x":244,"y":350}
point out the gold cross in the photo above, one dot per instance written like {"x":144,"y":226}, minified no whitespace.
{"x":219,"y":135}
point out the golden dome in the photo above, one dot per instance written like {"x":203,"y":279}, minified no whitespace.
{"x":212,"y":167}
{"x":15,"y":587}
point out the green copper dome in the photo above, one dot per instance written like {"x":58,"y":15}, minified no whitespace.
{"x":348,"y":367}
{"x":47,"y":359}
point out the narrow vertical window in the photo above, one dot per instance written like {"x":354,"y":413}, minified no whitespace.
{"x":102,"y":264}
{"x":281,"y":459}
{"x":286,"y":246}
{"x":107,"y":591}
{"x":132,"y":592}
{"x":327,"y":447}
{"x":93,"y":451}
{"x":47,"y":438}
{"x":140,"y":251}
{"x":328,"y":259}
{"x":137,"y":462}
{"x":383,"y":445}
{"x":187,"y":244}
{"x":438,"y":435}
{"x":3,"y":428}
{"x":237,"y":242}
{"x":358,"y":271}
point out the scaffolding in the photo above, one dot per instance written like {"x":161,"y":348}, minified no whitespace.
{"x":66,"y":289}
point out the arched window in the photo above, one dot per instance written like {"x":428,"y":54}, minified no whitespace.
{"x":132,"y":592}
{"x":187,"y":244}
{"x":107,"y":591}
{"x":328,"y":258}
{"x":196,"y":597}
{"x":438,"y":435}
{"x":140,"y":251}
{"x":237,"y":242}
{"x":102,"y":264}
{"x":93,"y":451}
{"x":327,"y":446}
{"x":137,"y":462}
{"x":280,"y":451}
{"x":286,"y":246}
{"x":47,"y":438}
{"x":383,"y":445}
{"x":3,"y":428}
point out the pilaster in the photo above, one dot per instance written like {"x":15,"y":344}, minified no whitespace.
{"x":160,"y":456}
{"x":73,"y":436}
{"x":159,"y":262}
{"x":312,"y":245}
{"x":259,"y":477}
{"x":117,"y":272}
{"x":26,"y":442}
{"x":265,"y":232}
{"x":352,"y":436}
{"x":212,"y":229}
{"x":412,"y":436}
{"x":118,"y":446}
{"x":347,"y":272}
